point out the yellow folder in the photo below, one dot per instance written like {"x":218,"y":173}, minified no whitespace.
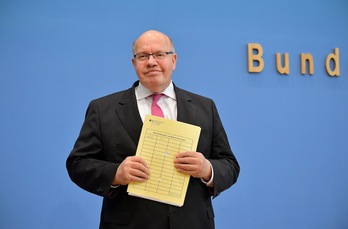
{"x":160,"y":140}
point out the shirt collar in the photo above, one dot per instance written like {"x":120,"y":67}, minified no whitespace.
{"x":142,"y":92}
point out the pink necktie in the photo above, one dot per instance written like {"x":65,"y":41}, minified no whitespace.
{"x":155,"y":109}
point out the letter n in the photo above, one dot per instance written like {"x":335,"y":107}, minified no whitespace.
{"x":306,"y":57}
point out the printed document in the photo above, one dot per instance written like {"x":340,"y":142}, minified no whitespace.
{"x":160,"y":140}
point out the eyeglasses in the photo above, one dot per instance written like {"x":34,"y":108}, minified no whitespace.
{"x":146,"y":56}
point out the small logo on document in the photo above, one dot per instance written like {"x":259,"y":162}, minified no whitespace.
{"x":155,"y":122}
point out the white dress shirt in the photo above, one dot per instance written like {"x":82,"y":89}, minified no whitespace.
{"x":167,"y":102}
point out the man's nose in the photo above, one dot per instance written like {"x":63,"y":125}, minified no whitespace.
{"x":152,"y":60}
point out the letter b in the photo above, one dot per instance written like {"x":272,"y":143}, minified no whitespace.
{"x":252,"y":58}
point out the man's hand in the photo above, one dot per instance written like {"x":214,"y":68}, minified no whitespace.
{"x":132,"y":169}
{"x":194,"y":164}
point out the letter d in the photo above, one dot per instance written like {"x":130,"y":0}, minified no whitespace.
{"x":335,"y":57}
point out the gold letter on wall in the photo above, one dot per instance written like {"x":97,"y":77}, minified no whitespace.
{"x":255,"y":57}
{"x":304,"y":58}
{"x":283,"y":69}
{"x":335,"y":57}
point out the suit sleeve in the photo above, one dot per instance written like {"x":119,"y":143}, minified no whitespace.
{"x":226,"y":167}
{"x":86,"y":163}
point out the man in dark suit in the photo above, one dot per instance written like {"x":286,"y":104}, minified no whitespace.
{"x":103,"y":159}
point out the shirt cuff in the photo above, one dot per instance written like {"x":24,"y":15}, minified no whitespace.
{"x":210,"y":183}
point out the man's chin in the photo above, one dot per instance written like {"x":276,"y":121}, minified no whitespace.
{"x":155,"y":85}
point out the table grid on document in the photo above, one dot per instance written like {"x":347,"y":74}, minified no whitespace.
{"x":159,"y":151}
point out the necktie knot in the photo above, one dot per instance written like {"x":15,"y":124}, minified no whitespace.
{"x":156,"y":97}
{"x":155,"y":109}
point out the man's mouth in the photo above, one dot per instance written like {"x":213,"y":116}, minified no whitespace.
{"x":152,"y":71}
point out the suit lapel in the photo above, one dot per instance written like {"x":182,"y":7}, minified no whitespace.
{"x":127,"y":111}
{"x":186,"y":109}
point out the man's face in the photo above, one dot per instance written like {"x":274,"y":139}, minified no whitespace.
{"x":154,"y":74}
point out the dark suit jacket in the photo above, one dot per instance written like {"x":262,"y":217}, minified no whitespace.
{"x":111,"y":132}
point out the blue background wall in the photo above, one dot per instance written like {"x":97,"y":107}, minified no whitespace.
{"x":288,"y":132}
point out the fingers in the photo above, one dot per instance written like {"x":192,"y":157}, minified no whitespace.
{"x":188,"y":154}
{"x":192,"y":163}
{"x":132,"y":169}
{"x":138,"y":163}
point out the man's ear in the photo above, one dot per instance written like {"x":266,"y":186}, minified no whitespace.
{"x":174,"y":60}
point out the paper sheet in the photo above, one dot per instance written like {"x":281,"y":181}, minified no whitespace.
{"x":160,"y":140}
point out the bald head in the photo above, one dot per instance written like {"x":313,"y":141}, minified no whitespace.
{"x":151,"y":35}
